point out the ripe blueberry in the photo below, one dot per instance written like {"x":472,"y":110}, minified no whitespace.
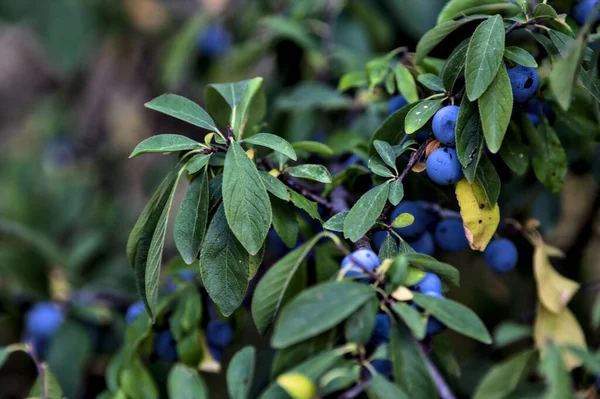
{"x":524,"y":82}
{"x":219,"y":334}
{"x":365,"y":257}
{"x":43,"y":320}
{"x":214,"y":41}
{"x":450,"y":236}
{"x":165,"y":347}
{"x":396,"y":103}
{"x":134,"y":311}
{"x":423,"y":244}
{"x":444,"y":123}
{"x":443,"y":166}
{"x":583,"y":9}
{"x":501,"y":255}
{"x":381,"y":332}
{"x":431,"y":283}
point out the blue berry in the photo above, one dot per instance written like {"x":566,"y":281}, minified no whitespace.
{"x":396,"y":103}
{"x":419,"y":225}
{"x":43,"y":320}
{"x":534,"y":119}
{"x":216,"y":353}
{"x":432,"y":217}
{"x":365,"y":257}
{"x":434,"y":326}
{"x":422,"y":136}
{"x":583,"y":9}
{"x":444,"y":123}
{"x":165,"y":347}
{"x":219,"y":334}
{"x":443,"y":166}
{"x":381,"y":332}
{"x":431,"y":283}
{"x":501,"y":255}
{"x":539,"y":108}
{"x":450,"y":236}
{"x":134,"y":311}
{"x":382,"y":366}
{"x":524,"y":82}
{"x":424,"y":244}
{"x":214,"y":41}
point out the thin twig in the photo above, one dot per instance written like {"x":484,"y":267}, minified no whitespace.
{"x":415,"y":159}
{"x":442,"y":387}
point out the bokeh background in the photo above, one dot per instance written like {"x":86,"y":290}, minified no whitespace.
{"x":74,"y":77}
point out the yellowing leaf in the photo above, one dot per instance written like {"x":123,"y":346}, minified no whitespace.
{"x":554,"y":290}
{"x":561,"y":329}
{"x":274,"y":173}
{"x":297,"y":385}
{"x":402,"y":294}
{"x":479,"y":219}
{"x":414,"y":276}
{"x":250,"y":153}
{"x":403,"y":220}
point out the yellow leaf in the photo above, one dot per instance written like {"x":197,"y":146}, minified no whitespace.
{"x":554,"y":290}
{"x":402,"y":294}
{"x":414,"y":276}
{"x":250,"y":153}
{"x":208,"y":363}
{"x":297,"y":385}
{"x":274,"y":172}
{"x":208,"y":138}
{"x":403,"y":220}
{"x":558,"y":328}
{"x":479,"y":219}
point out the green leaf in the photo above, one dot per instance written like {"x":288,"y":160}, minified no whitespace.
{"x":495,"y":109}
{"x":418,"y":116}
{"x":436,"y":35}
{"x":469,"y":138}
{"x":318,"y":309}
{"x":336,"y":222}
{"x":309,"y":96}
{"x":187,"y":314}
{"x":215,"y":187}
{"x":389,"y":248}
{"x":454,"y":315}
{"x":406,"y":83}
{"x":392,"y":129}
{"x":352,"y":80}
{"x":146,"y":240}
{"x":291,"y":356}
{"x":311,"y":172}
{"x":558,"y":378}
{"x":379,"y":167}
{"x":273,"y":142}
{"x":137,"y":382}
{"x":489,"y":179}
{"x":184,"y":382}
{"x":381,"y":388}
{"x":365,"y":212}
{"x":197,"y":162}
{"x":542,"y":11}
{"x":164,"y":143}
{"x":284,"y":222}
{"x":412,"y":318}
{"x":246,"y":201}
{"x":547,"y":155}
{"x":454,"y":65}
{"x":313,"y":147}
{"x":509,"y":332}
{"x":431,"y":81}
{"x":69,"y":353}
{"x":563,"y":75}
{"x":269,"y":293}
{"x":191,"y":220}
{"x":240,"y":373}
{"x":595,"y":319}
{"x":223,"y":265}
{"x":377,"y":69}
{"x":274,"y":186}
{"x":184,"y":109}
{"x":455,"y":8}
{"x":520,"y":56}
{"x":287,"y":28}
{"x":430,"y":264}
{"x":513,"y":151}
{"x":311,"y":207}
{"x":50,"y":388}
{"x":386,"y":152}
{"x":396,"y":192}
{"x":484,"y":56}
{"x":359,"y":326}
{"x":503,"y":378}
{"x":408,"y":360}
{"x":591,"y":361}
{"x":403,"y":220}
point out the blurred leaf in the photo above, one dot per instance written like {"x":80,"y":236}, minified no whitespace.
{"x":456,"y":316}
{"x":273,"y":142}
{"x":456,"y":8}
{"x":137,"y":382}
{"x":595,"y":322}
{"x":274,"y":186}
{"x":412,"y":318}
{"x":164,"y":143}
{"x":353,"y":80}
{"x":495,"y":109}
{"x":191,"y":349}
{"x":318,"y":309}
{"x":191,"y":219}
{"x":269,"y":293}
{"x":484,"y":56}
{"x":443,"y":350}
{"x":224,"y":265}
{"x":432,"y":82}
{"x":184,"y":382}
{"x":313,"y":96}
{"x":246,"y":201}
{"x":392,"y":129}
{"x":409,"y":367}
{"x":284,"y":222}
{"x":503,"y":378}
{"x":455,"y":65}
{"x":286,"y":28}
{"x":50,"y":388}
{"x":563,"y":75}
{"x":336,"y":222}
{"x":240,"y":373}
{"x":31,"y":237}
{"x":297,"y":386}
{"x":558,"y":329}
{"x":520,"y":56}
{"x":365,"y":212}
{"x":557,"y":376}
{"x":311,"y":172}
{"x":183,"y":109}
{"x":187,"y":314}
{"x":313,"y":147}
{"x":430,"y":264}
{"x":479,"y":218}
{"x":513,"y":151}
{"x":509,"y":332}
{"x":381,"y":388}
{"x":288,"y":358}
{"x":359,"y":326}
{"x":554,"y":290}
{"x":423,"y":111}
{"x":406,"y":83}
